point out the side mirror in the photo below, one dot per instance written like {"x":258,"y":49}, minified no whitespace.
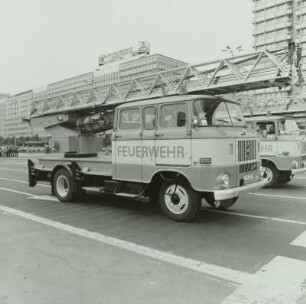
{"x":195,"y":121}
{"x":181,"y":119}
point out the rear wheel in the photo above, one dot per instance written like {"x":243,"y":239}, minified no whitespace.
{"x":272,"y":174}
{"x":178,"y":200}
{"x":65,"y":187}
{"x":221,"y":204}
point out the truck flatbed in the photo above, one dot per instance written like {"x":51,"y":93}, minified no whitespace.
{"x":100,"y":165}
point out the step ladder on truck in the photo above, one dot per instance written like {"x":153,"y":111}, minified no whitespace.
{"x":173,"y":140}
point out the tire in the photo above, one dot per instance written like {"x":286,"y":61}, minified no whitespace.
{"x":285,"y":177}
{"x":272,"y":174}
{"x":65,"y":187}
{"x":221,"y":204}
{"x":178,"y":200}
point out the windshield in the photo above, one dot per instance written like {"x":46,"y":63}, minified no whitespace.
{"x":288,"y":126}
{"x":212,"y":112}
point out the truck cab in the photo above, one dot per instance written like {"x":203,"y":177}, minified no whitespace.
{"x":174,"y":150}
{"x":282,"y":147}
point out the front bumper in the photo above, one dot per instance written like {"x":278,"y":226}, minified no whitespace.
{"x":234,"y":192}
{"x":298,"y":171}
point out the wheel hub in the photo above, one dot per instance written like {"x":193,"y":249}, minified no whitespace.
{"x":268,"y":174}
{"x":62,"y":185}
{"x":176,"y":199}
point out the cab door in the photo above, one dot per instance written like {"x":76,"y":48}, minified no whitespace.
{"x":128,"y":147}
{"x":173,"y":136}
{"x":148,"y":141}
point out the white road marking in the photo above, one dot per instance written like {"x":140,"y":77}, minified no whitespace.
{"x":23,"y":182}
{"x":279,"y":196}
{"x":276,"y":219}
{"x":281,"y":281}
{"x":16,"y":191}
{"x":13,"y":160}
{"x":44,"y":198}
{"x":9,"y":169}
{"x":231,"y":275}
{"x":300,"y":240}
{"x":20,"y":164}
{"x":32,"y":196}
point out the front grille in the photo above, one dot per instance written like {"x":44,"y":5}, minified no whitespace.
{"x":248,"y":167}
{"x":246,"y":150}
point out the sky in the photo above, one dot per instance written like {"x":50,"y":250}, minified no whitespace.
{"x":43,"y":41}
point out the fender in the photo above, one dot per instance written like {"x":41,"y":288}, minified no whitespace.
{"x":161,"y":173}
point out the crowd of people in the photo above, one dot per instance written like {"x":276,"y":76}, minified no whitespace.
{"x":13,"y":151}
{"x":9,"y":151}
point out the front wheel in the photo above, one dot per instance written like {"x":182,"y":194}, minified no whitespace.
{"x":178,"y":200}
{"x":272,"y":174}
{"x":65,"y":187}
{"x":221,"y":204}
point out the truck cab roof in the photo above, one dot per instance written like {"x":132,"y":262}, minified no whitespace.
{"x":266,"y":117}
{"x":169,"y":99}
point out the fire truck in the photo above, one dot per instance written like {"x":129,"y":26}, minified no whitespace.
{"x":282,"y":147}
{"x":174,"y":140}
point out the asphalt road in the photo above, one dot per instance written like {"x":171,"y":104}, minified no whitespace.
{"x":106,"y":250}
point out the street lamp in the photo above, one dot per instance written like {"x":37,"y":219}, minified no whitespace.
{"x":231,"y":50}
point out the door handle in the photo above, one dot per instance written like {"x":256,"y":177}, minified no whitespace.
{"x":118,"y":136}
{"x":158,"y":135}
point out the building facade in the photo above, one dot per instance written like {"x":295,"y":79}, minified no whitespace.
{"x":121,"y":65}
{"x":276,"y":24}
{"x":2,"y":117}
{"x":3,"y":95}
{"x":16,"y":109}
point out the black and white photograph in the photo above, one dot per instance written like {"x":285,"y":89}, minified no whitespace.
{"x":153,"y":152}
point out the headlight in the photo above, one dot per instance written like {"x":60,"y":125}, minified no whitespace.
{"x":295,"y":164}
{"x":225,"y":180}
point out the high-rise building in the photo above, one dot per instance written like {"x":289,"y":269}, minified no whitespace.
{"x":2,"y":116}
{"x":17,"y":107}
{"x":276,"y":24}
{"x":77,"y":90}
{"x":16,"y":112}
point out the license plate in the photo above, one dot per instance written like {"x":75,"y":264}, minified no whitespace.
{"x":248,"y":177}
